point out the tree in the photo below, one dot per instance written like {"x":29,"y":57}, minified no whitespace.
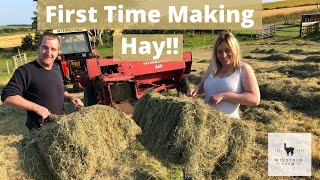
{"x":97,"y":34}
{"x":34,"y":19}
{"x":34,"y":24}
{"x":27,"y":42}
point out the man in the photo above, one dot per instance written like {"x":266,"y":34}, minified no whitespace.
{"x":38,"y":86}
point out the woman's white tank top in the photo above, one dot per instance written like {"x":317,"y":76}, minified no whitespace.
{"x":216,"y":85}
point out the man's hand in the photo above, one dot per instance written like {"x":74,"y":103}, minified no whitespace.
{"x":42,"y":111}
{"x":76,"y":101}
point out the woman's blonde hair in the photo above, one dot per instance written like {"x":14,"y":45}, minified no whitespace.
{"x":229,"y":38}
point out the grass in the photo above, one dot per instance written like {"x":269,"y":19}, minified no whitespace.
{"x":103,"y":52}
{"x":13,"y":27}
{"x":289,"y":90}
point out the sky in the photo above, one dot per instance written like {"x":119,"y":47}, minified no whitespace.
{"x":17,"y":11}
{"x":21,"y":11}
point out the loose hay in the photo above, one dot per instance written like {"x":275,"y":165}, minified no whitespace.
{"x":315,"y":59}
{"x":266,"y":112}
{"x":235,"y":161}
{"x":296,"y":51}
{"x":137,"y":163}
{"x":32,"y":162}
{"x":278,"y":57}
{"x":184,"y":131}
{"x":82,"y":143}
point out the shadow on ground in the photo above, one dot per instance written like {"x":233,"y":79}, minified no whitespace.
{"x":12,"y":121}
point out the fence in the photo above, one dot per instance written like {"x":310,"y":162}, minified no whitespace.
{"x":266,"y":31}
{"x":19,"y":60}
{"x":16,"y":61}
{"x":309,"y":27}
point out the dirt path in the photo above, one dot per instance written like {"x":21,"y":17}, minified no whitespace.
{"x":274,"y":12}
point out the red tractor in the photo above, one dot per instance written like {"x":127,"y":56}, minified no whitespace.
{"x":75,"y":50}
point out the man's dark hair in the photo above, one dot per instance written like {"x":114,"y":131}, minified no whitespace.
{"x":48,"y":35}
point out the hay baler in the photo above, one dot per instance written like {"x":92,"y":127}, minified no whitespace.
{"x":115,"y":82}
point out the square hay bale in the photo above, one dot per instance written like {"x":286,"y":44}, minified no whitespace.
{"x":32,"y":162}
{"x":236,"y":161}
{"x":183,"y":131}
{"x":83,"y":143}
{"x":137,"y":163}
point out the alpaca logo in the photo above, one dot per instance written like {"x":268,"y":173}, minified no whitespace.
{"x":289,"y":154}
{"x":288,"y":149}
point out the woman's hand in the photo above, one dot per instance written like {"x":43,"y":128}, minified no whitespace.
{"x":193,"y":91}
{"x":217,"y":98}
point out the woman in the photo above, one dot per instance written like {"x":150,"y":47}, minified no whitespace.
{"x":228,"y":82}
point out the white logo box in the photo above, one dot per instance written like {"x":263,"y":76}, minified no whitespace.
{"x":289,"y":154}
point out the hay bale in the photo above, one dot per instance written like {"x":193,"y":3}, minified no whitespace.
{"x":183,"y":131}
{"x":85,"y":142}
{"x":137,"y":163}
{"x":3,"y":172}
{"x":235,"y":162}
{"x":31,"y":160}
{"x":122,"y":91}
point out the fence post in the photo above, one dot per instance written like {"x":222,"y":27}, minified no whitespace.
{"x":8,"y":70}
{"x":204,"y":40}
{"x":25,"y":58}
{"x":14,"y":62}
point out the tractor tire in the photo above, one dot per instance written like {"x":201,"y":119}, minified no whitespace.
{"x":90,"y":95}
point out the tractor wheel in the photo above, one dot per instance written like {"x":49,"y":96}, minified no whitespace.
{"x":90,"y":95}
{"x":184,"y":85}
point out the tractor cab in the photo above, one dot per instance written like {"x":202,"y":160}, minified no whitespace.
{"x":74,"y":45}
{"x":75,"y":48}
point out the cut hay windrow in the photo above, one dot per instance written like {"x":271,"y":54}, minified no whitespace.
{"x":184,"y":131}
{"x":298,"y":95}
{"x":266,"y":112}
{"x":79,"y":144}
{"x":278,"y":57}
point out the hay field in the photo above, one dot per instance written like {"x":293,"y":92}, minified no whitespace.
{"x":288,"y":71}
{"x":285,"y":11}
{"x":10,"y":41}
{"x":287,"y":3}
